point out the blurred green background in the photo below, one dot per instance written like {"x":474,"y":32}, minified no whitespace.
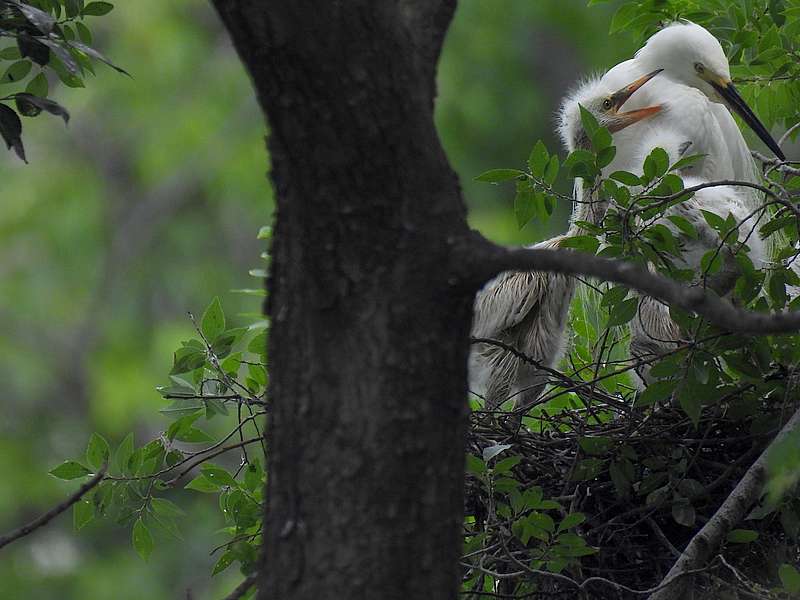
{"x":148,"y":205}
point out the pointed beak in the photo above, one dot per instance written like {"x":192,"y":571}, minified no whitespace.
{"x":621,"y":96}
{"x":622,"y":120}
{"x":730,"y":94}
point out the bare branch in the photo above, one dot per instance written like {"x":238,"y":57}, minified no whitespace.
{"x":55,"y":511}
{"x":733,"y":510}
{"x":243,"y":587}
{"x":496,"y":259}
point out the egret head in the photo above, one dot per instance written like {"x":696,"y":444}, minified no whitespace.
{"x":605,"y":105}
{"x":690,"y":55}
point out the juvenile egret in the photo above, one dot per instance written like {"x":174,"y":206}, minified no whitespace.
{"x":653,"y":332}
{"x":528,"y":310}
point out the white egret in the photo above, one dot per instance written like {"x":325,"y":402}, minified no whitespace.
{"x":528,"y":310}
{"x":693,"y":59}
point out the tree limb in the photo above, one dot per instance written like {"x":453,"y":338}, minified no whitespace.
{"x":733,"y":510}
{"x":243,"y":587}
{"x":493,"y":259}
{"x":54,"y":512}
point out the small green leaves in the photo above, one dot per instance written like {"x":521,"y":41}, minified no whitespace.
{"x":97,"y":9}
{"x":498,"y":175}
{"x":790,"y":578}
{"x":742,"y":536}
{"x":11,"y":131}
{"x":97,"y":452}
{"x":213,"y":322}
{"x":82,"y":512}
{"x":202,"y":484}
{"x":656,"y":164}
{"x":623,"y":312}
{"x":525,"y":203}
{"x":142,"y":539}
{"x":571,"y":520}
{"x":123,"y":454}
{"x":70,"y":469}
{"x":16,"y":72}
{"x":538,"y":160}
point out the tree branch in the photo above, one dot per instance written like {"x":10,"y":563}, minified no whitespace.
{"x":733,"y":510}
{"x":54,"y":512}
{"x":493,"y":259}
{"x":243,"y":587}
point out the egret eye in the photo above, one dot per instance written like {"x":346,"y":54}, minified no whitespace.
{"x":699,"y":68}
{"x":607,"y":104}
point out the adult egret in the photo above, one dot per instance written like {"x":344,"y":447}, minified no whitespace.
{"x":693,"y":59}
{"x":528,"y":310}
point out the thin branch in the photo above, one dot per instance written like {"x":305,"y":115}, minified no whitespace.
{"x":732,"y":510}
{"x":55,"y":511}
{"x":243,"y":587}
{"x":493,"y":259}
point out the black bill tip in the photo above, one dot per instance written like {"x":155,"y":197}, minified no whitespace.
{"x":737,"y":103}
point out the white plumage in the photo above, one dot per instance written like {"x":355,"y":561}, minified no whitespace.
{"x":528,"y":310}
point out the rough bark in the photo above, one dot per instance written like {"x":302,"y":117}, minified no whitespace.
{"x":369,"y":334}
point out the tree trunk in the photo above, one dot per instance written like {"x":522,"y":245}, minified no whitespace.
{"x":370,"y":319}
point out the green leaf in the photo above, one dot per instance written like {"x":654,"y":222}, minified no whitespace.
{"x":690,"y":400}
{"x":123,"y":454}
{"x":497,"y":175}
{"x":571,"y":520}
{"x":686,"y":161}
{"x":164,"y":507}
{"x":218,"y":475}
{"x":82,"y":512}
{"x":16,"y":72}
{"x":38,"y":86}
{"x":684,"y":225}
{"x":625,"y":178}
{"x":223,"y":563}
{"x":588,"y":121}
{"x":213,"y":322}
{"x":524,"y":205}
{"x":537,"y":161}
{"x":97,"y":9}
{"x":142,"y":540}
{"x":605,"y":156}
{"x":584,"y":243}
{"x":596,"y":445}
{"x":790,"y":578}
{"x":98,"y":451}
{"x":475,"y":465}
{"x":656,"y":163}
{"x":70,"y":469}
{"x":587,"y":469}
{"x":551,"y":173}
{"x":623,"y":17}
{"x":623,"y":312}
{"x":187,"y":359}
{"x":742,"y":536}
{"x":264,"y":233}
{"x":656,"y":391}
{"x":542,"y":521}
{"x":202,"y":484}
